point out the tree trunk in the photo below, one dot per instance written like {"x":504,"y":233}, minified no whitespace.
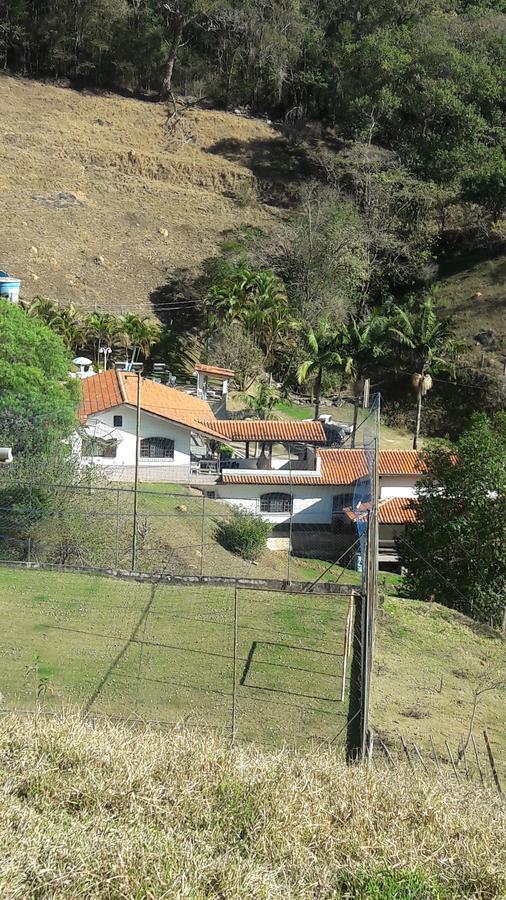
{"x":166,"y":88}
{"x":418,"y":419}
{"x":317,"y":394}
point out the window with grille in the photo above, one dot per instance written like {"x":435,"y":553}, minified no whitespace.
{"x":341,"y":501}
{"x":157,"y":448}
{"x":95,"y":446}
{"x":275,"y":503}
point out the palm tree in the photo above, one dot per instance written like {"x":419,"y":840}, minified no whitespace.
{"x":104,"y":330}
{"x":42,"y":308}
{"x":263,"y":402}
{"x":67,"y":323}
{"x":364,"y":343}
{"x":326,"y":351}
{"x":429,"y":342}
{"x":140,"y":334}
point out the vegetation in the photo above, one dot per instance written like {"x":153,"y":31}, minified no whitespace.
{"x":244,"y":534}
{"x":37,"y":399}
{"x":455,"y":552}
{"x":160,"y":813}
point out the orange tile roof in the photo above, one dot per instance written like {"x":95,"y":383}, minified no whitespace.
{"x":113,"y":388}
{"x":346,"y":466}
{"x":338,"y":467}
{"x":391,"y":511}
{"x":271,"y":430}
{"x":214,"y":370}
{"x":100,"y":392}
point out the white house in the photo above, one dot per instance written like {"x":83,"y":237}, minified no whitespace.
{"x":181,"y":440}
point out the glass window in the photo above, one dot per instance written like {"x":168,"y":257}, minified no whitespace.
{"x":117,"y":421}
{"x":341,"y":501}
{"x":157,"y":448}
{"x":275,"y":503}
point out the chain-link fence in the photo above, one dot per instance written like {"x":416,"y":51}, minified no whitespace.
{"x":258,"y":665}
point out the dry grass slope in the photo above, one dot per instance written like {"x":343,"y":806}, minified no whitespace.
{"x":112,"y":812}
{"x":128,"y":180}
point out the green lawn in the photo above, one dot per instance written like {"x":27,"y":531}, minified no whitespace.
{"x":120,"y":648}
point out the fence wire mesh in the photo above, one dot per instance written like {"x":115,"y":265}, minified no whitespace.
{"x":258,"y":665}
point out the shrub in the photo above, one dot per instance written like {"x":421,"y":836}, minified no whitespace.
{"x":244,"y":534}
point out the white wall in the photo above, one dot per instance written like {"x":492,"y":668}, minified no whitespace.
{"x":151,"y":426}
{"x":397,"y":485}
{"x":311,"y":505}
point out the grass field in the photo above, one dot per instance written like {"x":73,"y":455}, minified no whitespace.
{"x":118,"y":648}
{"x":166,"y":653}
{"x":112,"y":811}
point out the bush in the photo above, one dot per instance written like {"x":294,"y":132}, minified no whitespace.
{"x":244,"y":534}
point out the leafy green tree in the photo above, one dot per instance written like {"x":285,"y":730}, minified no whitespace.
{"x":325,"y":352}
{"x":263,"y":401}
{"x":38,"y":400}
{"x":427,"y":343}
{"x":102,"y":330}
{"x":141,"y":334}
{"x":456,"y":550}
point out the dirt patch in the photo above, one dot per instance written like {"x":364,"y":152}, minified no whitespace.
{"x":83,"y":176}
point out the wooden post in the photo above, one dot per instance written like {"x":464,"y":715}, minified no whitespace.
{"x":347,"y":633}
{"x":450,"y":754}
{"x":477,"y":757}
{"x":492,"y":761}
{"x":202,"y":535}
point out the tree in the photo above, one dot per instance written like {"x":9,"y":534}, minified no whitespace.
{"x":456,"y":550}
{"x":263,"y":402}
{"x":232,"y":348}
{"x":37,"y":398}
{"x":325,"y":352}
{"x":103,"y":330}
{"x":427,"y":343}
{"x":141,"y":334}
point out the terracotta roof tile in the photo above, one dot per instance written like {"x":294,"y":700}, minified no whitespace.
{"x":272,"y":430}
{"x":338,"y":467}
{"x":100,"y":392}
{"x":113,"y":388}
{"x":391,"y":511}
{"x":214,"y":370}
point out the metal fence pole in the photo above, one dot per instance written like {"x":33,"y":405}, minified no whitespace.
{"x":29,"y":547}
{"x":117,"y":528}
{"x":202,"y":535}
{"x":234,"y":681}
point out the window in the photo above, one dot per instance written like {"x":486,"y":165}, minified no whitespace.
{"x":95,"y":446}
{"x":117,"y":421}
{"x":211,"y":495}
{"x":340,"y":502}
{"x":157,"y":448}
{"x":275,"y":503}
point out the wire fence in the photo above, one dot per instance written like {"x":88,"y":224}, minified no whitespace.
{"x":254,"y":665}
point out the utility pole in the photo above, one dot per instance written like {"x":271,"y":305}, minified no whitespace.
{"x":290,"y":522}
{"x":136,"y":475}
{"x":371,"y":593}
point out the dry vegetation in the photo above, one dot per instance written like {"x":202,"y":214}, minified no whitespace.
{"x":112,"y":812}
{"x":130,"y":183}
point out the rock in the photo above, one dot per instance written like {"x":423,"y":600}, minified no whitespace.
{"x":477,"y":295}
{"x":99,"y":260}
{"x":35,"y":277}
{"x":102,"y":122}
{"x":53,"y":261}
{"x":163,"y":231}
{"x":487,"y":338}
{"x":34,"y":251}
{"x":182,"y":508}
{"x":132,"y":155}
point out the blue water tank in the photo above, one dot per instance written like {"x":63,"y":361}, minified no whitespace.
{"x":9,"y":287}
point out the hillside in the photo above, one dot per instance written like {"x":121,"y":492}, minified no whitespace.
{"x":87,"y":176}
{"x":110,"y":812}
{"x":85,"y":634}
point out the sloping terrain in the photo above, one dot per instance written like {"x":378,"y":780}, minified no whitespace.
{"x":100,"y":204}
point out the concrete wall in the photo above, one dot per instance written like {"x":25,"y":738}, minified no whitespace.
{"x":311,"y":505}
{"x":151,"y":426}
{"x":397,"y":485}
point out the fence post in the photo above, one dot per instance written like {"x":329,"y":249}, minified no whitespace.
{"x":202,"y":535}
{"x":234,"y":682}
{"x":357,"y":683}
{"x":117,"y":529}
{"x":29,"y":548}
